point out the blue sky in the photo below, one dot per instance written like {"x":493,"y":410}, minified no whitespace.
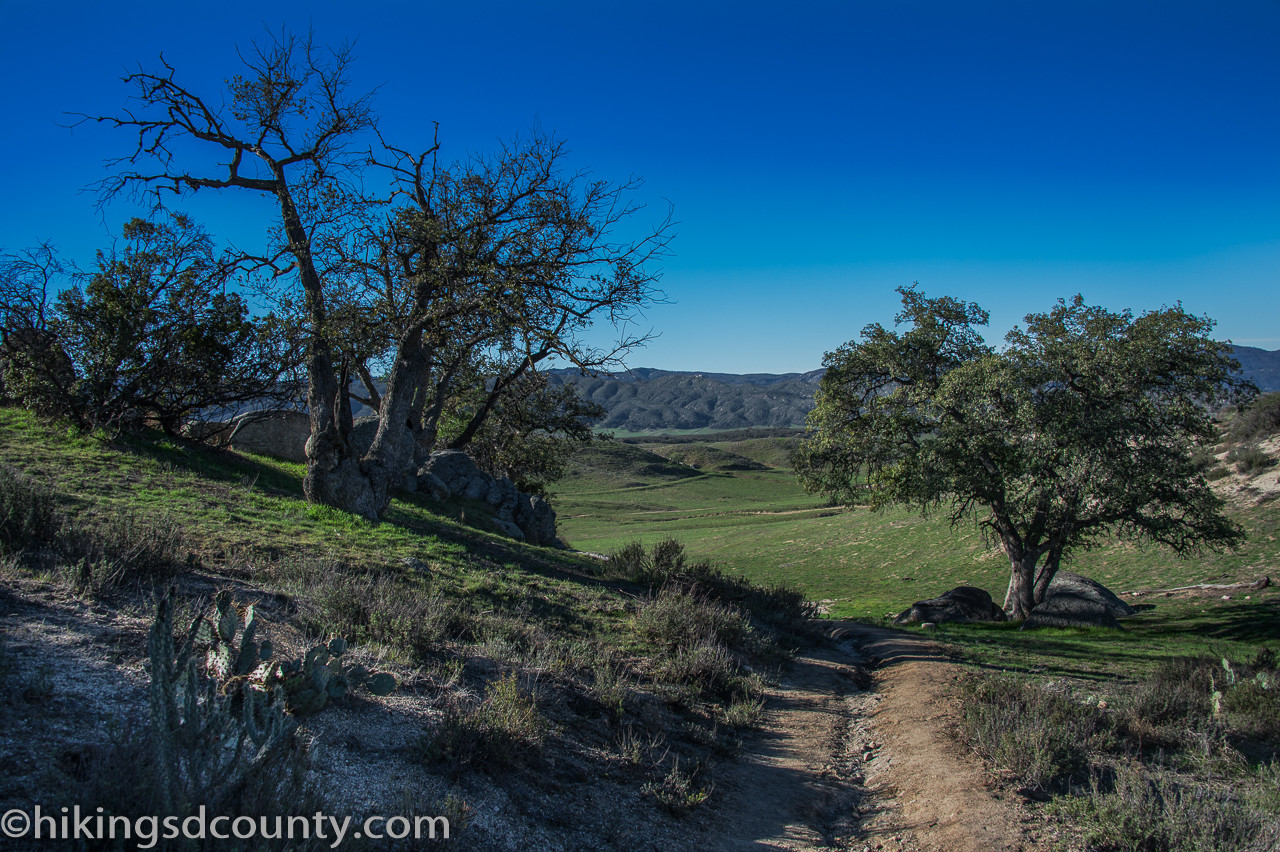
{"x":816,"y":158}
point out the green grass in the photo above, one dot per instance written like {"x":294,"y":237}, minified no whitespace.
{"x":762,"y":525}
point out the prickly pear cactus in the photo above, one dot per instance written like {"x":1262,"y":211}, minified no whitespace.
{"x":237,"y":657}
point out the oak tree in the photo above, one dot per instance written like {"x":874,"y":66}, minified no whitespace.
{"x":441,"y":264}
{"x":1082,"y":427}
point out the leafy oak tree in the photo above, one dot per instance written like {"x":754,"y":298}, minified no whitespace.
{"x":417,"y":277}
{"x":1081,"y":428}
{"x":152,"y":336}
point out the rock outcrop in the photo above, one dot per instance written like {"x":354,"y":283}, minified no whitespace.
{"x":1077,"y":601}
{"x":525,"y":517}
{"x":281,"y":433}
{"x":962,"y":604}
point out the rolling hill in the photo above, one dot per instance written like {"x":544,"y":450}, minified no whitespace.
{"x":649,"y":400}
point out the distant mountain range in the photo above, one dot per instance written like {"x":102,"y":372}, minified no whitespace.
{"x":644,"y":399}
{"x":1261,"y":366}
{"x":649,"y":400}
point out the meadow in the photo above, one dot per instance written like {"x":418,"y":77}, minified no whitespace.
{"x":754,"y":520}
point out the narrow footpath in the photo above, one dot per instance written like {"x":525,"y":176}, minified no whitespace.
{"x":856,"y":752}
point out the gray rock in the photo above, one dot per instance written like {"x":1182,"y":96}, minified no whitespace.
{"x":1076,"y":584}
{"x":508,"y":529}
{"x":432,"y":485}
{"x":1076,"y":601}
{"x":535,"y":516}
{"x":960,"y":605}
{"x":281,"y":433}
{"x":452,"y":467}
{"x":477,"y":488}
{"x":452,"y":473}
{"x":1070,"y":609}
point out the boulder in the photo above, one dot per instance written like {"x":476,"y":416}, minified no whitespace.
{"x":1069,"y":609}
{"x":1065,"y":582}
{"x":508,"y":529}
{"x":961,"y":604}
{"x":525,"y":517}
{"x":537,"y":520}
{"x":281,"y":433}
{"x":453,"y":468}
{"x":432,"y":486}
{"x":1076,"y":601}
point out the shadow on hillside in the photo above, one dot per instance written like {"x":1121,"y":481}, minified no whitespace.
{"x":1101,"y":654}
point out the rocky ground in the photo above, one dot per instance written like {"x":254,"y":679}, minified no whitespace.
{"x":854,"y":750}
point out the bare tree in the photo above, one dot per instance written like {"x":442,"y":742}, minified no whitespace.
{"x":486,"y":256}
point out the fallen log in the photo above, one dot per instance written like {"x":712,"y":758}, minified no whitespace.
{"x":1208,"y":587}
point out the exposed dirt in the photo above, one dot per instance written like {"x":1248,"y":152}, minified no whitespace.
{"x":930,"y":793}
{"x":854,"y":751}
{"x":852,"y":761}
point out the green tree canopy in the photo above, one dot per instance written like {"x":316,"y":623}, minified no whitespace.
{"x":153,"y":335}
{"x":1083,"y":426}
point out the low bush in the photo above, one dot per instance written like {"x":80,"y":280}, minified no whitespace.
{"x":1039,"y":734}
{"x":667,"y":564}
{"x":120,"y":547}
{"x":676,"y":619}
{"x":1260,"y":420}
{"x":28,"y":512}
{"x":1131,"y":808}
{"x":502,"y":730}
{"x":678,"y":792}
{"x":1250,"y":460}
{"x":694,"y":637}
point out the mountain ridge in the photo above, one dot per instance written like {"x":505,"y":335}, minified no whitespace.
{"x":644,"y":399}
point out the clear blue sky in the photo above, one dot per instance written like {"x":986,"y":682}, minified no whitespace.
{"x":1005,"y":152}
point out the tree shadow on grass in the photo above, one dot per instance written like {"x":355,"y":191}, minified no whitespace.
{"x":1101,"y":654}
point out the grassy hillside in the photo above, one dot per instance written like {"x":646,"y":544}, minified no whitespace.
{"x":761,"y":524}
{"x":534,"y":683}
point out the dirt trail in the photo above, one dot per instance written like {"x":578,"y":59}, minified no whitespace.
{"x":876,"y":769}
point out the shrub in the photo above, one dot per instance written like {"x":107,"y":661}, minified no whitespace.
{"x":121,"y":547}
{"x":678,"y":792}
{"x":502,"y":730}
{"x":1260,"y":420}
{"x":1177,"y":696}
{"x":676,"y":619}
{"x":1039,"y":734}
{"x":1250,"y":460}
{"x":1132,"y":809}
{"x":152,"y":336}
{"x":28,"y":512}
{"x":667,"y":565}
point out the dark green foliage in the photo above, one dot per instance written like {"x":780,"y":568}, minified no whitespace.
{"x":527,"y":432}
{"x":152,"y":336}
{"x":1259,"y":420}
{"x":1082,"y":428}
{"x":28,"y":512}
